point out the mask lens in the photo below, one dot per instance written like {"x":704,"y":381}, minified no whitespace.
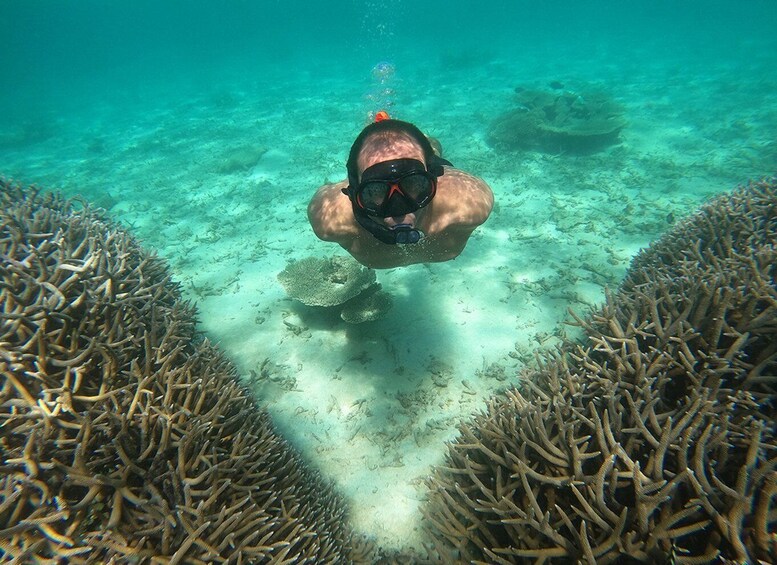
{"x":416,"y":186}
{"x":373,"y":194}
{"x":395,"y":187}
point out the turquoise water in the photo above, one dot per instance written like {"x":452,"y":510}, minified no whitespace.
{"x":206,"y":127}
{"x":103,"y":69}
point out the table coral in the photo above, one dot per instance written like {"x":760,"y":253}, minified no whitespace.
{"x":558,"y":121}
{"x":337,"y":281}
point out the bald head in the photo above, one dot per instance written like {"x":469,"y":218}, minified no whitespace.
{"x":383,"y":141}
{"x":389,"y":144}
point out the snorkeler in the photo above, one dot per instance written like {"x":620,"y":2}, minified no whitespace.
{"x":402,"y":202}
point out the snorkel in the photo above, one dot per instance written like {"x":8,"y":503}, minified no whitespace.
{"x":399,"y":234}
{"x":403,"y":233}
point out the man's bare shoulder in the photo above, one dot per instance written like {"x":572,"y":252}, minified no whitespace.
{"x":464,"y":180}
{"x":466,"y":198}
{"x":330,"y":190}
{"x":330,"y":214}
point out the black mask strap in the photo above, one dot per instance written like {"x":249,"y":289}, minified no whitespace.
{"x":435,"y":165}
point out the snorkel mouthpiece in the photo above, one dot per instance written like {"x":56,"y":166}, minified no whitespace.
{"x":400,"y":234}
{"x":405,"y":233}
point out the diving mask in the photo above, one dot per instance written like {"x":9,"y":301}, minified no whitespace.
{"x":394,"y":188}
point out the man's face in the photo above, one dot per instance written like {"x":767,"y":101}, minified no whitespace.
{"x":401,"y":147}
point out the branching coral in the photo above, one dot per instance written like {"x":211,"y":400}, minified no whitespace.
{"x":657,"y":436}
{"x":124,"y":436}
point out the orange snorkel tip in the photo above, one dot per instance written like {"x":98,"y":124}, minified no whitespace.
{"x":381,"y":115}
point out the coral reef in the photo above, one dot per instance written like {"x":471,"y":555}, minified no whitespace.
{"x":655,"y":440}
{"x":124,"y":436}
{"x":240,"y":159}
{"x":337,"y":281}
{"x":367,"y":308}
{"x":558,"y":121}
{"x":325,"y":282}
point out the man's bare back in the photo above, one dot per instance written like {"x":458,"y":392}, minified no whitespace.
{"x":459,"y":203}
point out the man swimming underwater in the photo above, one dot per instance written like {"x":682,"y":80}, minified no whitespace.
{"x":402,"y":203}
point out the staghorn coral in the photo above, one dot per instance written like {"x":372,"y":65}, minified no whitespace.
{"x":722,"y":285}
{"x":123,"y":436}
{"x":654,"y":440}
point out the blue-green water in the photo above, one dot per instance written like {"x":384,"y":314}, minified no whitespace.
{"x":88,"y":83}
{"x":206,"y":127}
{"x":62,"y":57}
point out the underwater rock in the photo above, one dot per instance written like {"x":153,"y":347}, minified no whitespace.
{"x":124,"y":436}
{"x":336,"y":281}
{"x":557,"y":121}
{"x":656,"y":437}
